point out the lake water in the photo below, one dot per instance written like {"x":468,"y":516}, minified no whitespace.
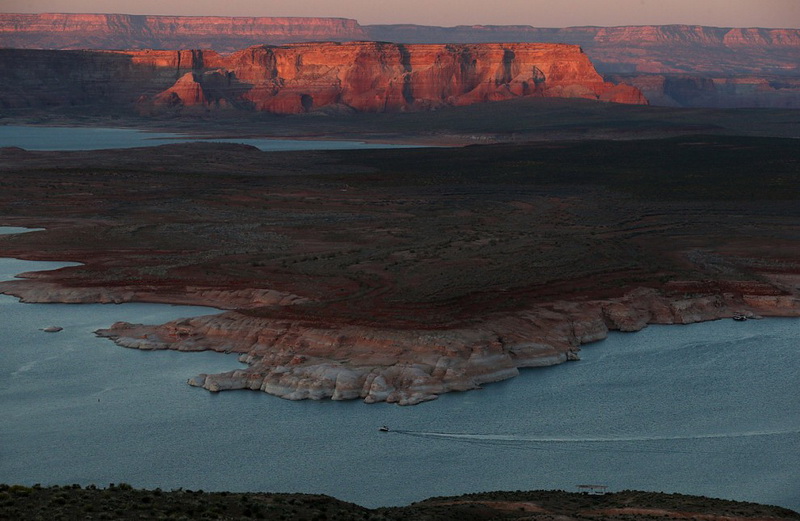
{"x":87,"y":138}
{"x":710,"y":409}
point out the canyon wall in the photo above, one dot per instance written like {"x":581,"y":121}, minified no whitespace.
{"x":693,"y":90}
{"x":730,"y":67}
{"x":637,"y":49}
{"x":627,"y":49}
{"x":121,"y":31}
{"x":359,"y":76}
{"x":674,"y":65}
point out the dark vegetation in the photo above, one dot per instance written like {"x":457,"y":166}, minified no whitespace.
{"x":121,"y":502}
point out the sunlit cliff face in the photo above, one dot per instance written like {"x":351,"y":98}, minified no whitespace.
{"x":355,"y":76}
{"x":379,"y":77}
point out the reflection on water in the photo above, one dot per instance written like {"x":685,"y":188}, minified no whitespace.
{"x":710,"y":409}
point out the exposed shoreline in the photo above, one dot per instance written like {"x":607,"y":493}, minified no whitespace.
{"x":296,"y":359}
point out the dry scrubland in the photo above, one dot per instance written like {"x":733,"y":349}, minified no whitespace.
{"x":424,"y":236}
{"x":121,"y":501}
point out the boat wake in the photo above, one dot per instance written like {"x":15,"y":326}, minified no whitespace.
{"x":593,"y":443}
{"x":597,"y":439}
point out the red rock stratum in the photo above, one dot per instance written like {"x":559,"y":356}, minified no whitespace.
{"x":360,"y":76}
{"x":124,"y":31}
{"x":650,"y":49}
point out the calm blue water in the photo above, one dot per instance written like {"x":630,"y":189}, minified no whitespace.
{"x":85,"y":138}
{"x":710,"y":409}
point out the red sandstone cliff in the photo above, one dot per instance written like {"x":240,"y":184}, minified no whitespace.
{"x":361,"y":76}
{"x":378,"y":77}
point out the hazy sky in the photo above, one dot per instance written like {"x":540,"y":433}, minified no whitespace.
{"x":542,"y":13}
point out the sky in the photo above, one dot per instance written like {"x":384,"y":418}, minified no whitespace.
{"x":539,"y":13}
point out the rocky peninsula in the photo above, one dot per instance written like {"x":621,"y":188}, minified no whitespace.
{"x":398,"y":275}
{"x":301,"y":360}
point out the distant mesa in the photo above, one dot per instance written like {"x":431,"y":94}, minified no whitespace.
{"x":305,"y":77}
{"x":123,"y":31}
{"x":652,"y":49}
{"x":673,"y":65}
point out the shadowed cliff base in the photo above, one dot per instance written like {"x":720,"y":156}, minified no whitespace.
{"x":400,"y":274}
{"x":121,"y":501}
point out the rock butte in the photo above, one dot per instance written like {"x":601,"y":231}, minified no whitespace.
{"x":360,"y":76}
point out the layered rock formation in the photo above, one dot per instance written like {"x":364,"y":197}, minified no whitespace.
{"x":691,"y":90}
{"x":625,"y":49}
{"x":637,"y":49}
{"x":675,"y":65}
{"x":121,"y":31}
{"x":725,"y":57}
{"x":303,"y":360}
{"x":361,"y":76}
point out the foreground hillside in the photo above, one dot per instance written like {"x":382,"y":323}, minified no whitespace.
{"x":120,"y":502}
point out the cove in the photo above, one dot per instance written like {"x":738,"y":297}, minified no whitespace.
{"x":709,"y":409}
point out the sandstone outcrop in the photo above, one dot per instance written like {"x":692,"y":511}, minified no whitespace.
{"x":302,"y":360}
{"x":360,"y":76}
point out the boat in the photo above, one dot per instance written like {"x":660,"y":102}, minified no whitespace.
{"x":52,"y":329}
{"x":739,"y":317}
{"x":384,"y":428}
